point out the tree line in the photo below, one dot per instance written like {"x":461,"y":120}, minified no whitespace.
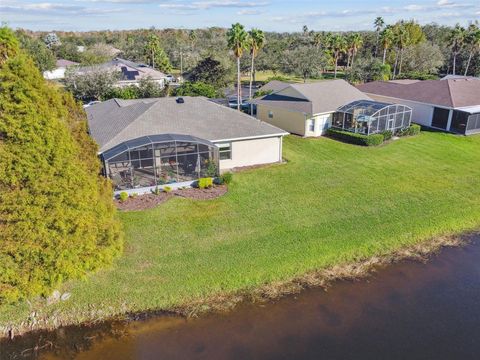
{"x":404,"y":49}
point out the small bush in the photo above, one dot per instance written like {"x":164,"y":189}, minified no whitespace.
{"x":156,"y":191}
{"x":374,"y":140}
{"x":205,"y":183}
{"x":167,"y":189}
{"x":357,"y":139}
{"x":387,"y":135}
{"x":227,"y":177}
{"x":412,"y":130}
{"x":123,"y":196}
{"x":133,"y":195}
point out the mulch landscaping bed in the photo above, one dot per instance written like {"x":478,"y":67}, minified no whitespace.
{"x":202,"y":194}
{"x":148,"y":201}
{"x":142,"y":202}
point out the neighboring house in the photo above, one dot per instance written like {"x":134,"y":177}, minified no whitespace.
{"x":452,"y":104}
{"x":148,"y":142}
{"x":306,"y":109}
{"x":130,"y":72}
{"x":59,"y":71}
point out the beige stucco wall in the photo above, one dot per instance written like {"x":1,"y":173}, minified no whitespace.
{"x":253,"y":152}
{"x":291,"y":121}
{"x":421,"y":113}
{"x":322,"y":123}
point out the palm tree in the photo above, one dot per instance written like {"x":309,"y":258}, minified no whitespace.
{"x":338,"y":47}
{"x":317,"y":40}
{"x":473,"y":42}
{"x":401,"y":41}
{"x":378,"y":23}
{"x":457,"y":39}
{"x":386,"y":38}
{"x":256,"y":41}
{"x":356,"y":42}
{"x":152,"y":47}
{"x":237,"y":41}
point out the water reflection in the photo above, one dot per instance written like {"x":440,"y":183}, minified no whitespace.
{"x":408,"y":310}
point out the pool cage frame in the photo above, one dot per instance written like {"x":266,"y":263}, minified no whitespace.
{"x":372,"y":117}
{"x":154,"y":160}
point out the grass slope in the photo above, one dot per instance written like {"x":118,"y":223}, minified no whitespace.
{"x":332,"y":203}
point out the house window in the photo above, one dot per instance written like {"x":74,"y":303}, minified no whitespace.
{"x":225,"y":151}
{"x":270,"y":114}
{"x":311,"y":125}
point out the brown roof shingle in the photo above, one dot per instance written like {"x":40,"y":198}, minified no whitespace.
{"x":449,"y":93}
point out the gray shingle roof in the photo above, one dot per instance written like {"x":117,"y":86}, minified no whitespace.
{"x":115,"y":121}
{"x":318,"y":97}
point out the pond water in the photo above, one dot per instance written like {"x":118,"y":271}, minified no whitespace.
{"x":407,"y":310}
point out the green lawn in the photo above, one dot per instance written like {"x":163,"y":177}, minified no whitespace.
{"x":331,"y":203}
{"x":265,"y":75}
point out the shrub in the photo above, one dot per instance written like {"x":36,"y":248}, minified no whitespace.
{"x":227,"y":178}
{"x":357,"y":139}
{"x":205,"y":183}
{"x":167,"y":189}
{"x":133,"y":195}
{"x":156,"y":191}
{"x":412,"y":130}
{"x":387,"y":135}
{"x":374,"y":140}
{"x":57,"y":217}
{"x":123,"y":196}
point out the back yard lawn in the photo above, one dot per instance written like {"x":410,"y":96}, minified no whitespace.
{"x":331,"y":203}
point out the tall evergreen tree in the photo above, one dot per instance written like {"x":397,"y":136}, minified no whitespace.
{"x":57,"y":219}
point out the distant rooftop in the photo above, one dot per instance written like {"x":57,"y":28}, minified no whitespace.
{"x":130,"y":70}
{"x":65,"y":63}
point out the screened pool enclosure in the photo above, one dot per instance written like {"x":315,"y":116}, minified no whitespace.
{"x":371,"y":117}
{"x":160,"y":159}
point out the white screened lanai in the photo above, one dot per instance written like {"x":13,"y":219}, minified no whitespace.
{"x":371,"y":117}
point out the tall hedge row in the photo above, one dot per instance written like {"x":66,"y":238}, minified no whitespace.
{"x":57,"y":220}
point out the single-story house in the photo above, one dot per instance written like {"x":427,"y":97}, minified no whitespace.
{"x":145,"y":143}
{"x":452,"y":104}
{"x":309,"y":109}
{"x":59,"y":72}
{"x":130,"y":72}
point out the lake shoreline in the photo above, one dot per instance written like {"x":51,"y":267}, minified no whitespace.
{"x":224,"y":302}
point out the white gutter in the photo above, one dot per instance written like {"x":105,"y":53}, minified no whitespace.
{"x":251,"y":137}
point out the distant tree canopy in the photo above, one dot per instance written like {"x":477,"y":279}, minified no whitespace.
{"x":210,"y":71}
{"x":91,"y":85}
{"x":147,"y":88}
{"x":42,"y":56}
{"x":57,"y":219}
{"x":397,"y":44}
{"x":196,"y":89}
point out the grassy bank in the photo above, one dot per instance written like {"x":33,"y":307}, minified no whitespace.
{"x":332,"y":204}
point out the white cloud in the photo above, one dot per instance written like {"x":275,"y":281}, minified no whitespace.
{"x":414,"y":7}
{"x":249,"y":12}
{"x":203,"y":5}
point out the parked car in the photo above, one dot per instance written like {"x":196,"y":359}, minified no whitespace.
{"x":170,"y":78}
{"x":91,"y":103}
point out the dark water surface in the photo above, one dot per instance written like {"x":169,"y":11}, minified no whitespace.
{"x":408,"y":310}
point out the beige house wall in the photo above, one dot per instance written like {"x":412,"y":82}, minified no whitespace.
{"x":321,"y":123}
{"x":291,"y":121}
{"x":421,"y":113}
{"x":253,"y":152}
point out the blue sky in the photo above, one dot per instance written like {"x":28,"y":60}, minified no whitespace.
{"x":271,"y":15}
